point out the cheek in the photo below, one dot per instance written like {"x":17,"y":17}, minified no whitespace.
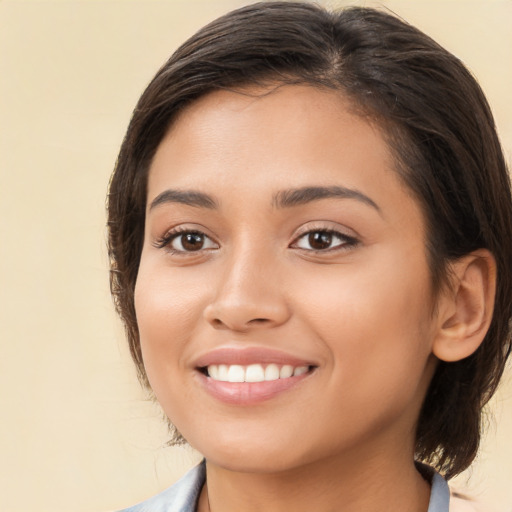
{"x":165,"y":318}
{"x":166,"y":301}
{"x":374,"y":317}
{"x":386,"y":294}
{"x":167,"y":311}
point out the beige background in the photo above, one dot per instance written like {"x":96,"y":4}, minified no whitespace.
{"x":76,"y":433}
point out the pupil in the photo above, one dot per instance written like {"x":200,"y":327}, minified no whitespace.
{"x":320,"y":240}
{"x":192,"y":241}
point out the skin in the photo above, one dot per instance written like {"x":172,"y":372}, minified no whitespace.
{"x":361,"y":310}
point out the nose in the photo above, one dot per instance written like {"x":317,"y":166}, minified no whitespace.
{"x":250,"y":295}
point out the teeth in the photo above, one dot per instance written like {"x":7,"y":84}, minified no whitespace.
{"x":223,"y":372}
{"x":254,"y":372}
{"x":272,"y":372}
{"x":236,"y":373}
{"x":286,"y":371}
{"x":213,"y":370}
{"x":300,"y":370}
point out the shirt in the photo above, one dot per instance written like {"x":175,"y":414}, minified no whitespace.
{"x":183,"y":495}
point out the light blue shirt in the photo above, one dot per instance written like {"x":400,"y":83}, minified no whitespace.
{"x":183,"y":495}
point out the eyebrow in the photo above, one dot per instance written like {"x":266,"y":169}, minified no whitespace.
{"x":188,"y":197}
{"x":282,"y":199}
{"x":303,"y":195}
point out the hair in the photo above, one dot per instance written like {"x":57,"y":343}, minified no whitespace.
{"x":440,"y":130}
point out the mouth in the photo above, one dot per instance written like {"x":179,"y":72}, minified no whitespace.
{"x":250,"y":376}
{"x":253,"y":373}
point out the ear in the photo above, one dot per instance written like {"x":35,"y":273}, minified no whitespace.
{"x":465,"y":308}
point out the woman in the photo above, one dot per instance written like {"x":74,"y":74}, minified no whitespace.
{"x":310,"y":225}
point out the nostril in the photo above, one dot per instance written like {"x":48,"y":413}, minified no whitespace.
{"x":217,"y":323}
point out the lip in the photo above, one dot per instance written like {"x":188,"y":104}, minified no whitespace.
{"x":249,"y":393}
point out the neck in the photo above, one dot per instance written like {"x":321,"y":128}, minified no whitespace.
{"x":372,"y":484}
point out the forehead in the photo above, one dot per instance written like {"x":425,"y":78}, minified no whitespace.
{"x":283,"y":130}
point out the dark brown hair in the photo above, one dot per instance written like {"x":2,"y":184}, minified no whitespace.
{"x":437,"y":122}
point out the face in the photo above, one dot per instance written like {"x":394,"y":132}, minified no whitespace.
{"x":283,"y":298}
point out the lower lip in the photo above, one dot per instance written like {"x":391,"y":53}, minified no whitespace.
{"x":249,"y":393}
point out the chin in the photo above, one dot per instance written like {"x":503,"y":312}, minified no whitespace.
{"x":253,"y":454}
{"x":248,"y":463}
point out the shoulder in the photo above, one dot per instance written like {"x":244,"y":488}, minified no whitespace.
{"x":180,"y":497}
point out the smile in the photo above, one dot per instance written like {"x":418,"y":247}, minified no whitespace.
{"x":253,"y":372}
{"x":252,"y":375}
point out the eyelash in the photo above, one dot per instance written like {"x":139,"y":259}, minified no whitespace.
{"x":166,"y":241}
{"x":347,"y":242}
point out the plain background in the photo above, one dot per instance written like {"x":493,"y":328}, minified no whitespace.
{"x":76,"y":432}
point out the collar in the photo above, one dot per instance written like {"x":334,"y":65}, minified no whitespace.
{"x":184,"y":494}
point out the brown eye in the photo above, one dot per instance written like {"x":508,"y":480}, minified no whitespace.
{"x":319,"y":240}
{"x":191,"y":241}
{"x":323,"y":240}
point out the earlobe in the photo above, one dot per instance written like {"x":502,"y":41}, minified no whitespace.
{"x":466,"y":308}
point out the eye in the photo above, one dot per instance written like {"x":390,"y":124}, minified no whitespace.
{"x":324,"y":240}
{"x":186,"y":241}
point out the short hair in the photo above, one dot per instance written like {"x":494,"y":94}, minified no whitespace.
{"x":439,"y":128}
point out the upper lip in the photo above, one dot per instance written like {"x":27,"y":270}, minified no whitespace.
{"x":249,"y":355}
